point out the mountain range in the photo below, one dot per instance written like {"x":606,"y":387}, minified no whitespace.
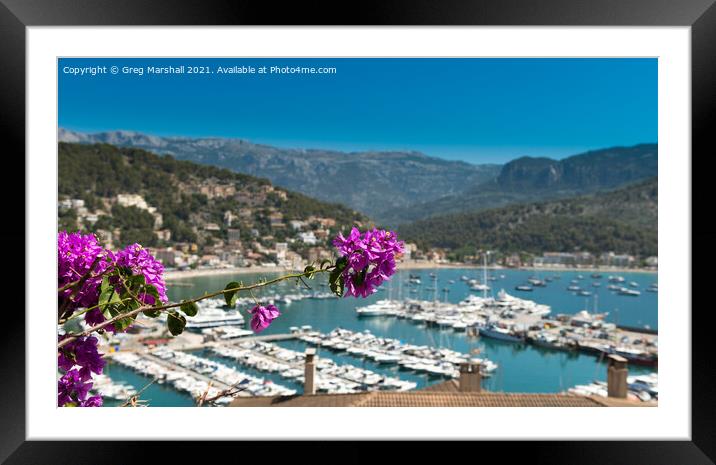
{"x":370,"y":182}
{"x":396,"y":187}
{"x":528,"y":179}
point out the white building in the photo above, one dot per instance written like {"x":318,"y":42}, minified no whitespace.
{"x":132,"y":200}
{"x":297,"y":225}
{"x":308,"y":237}
{"x":281,"y":249}
{"x":228,"y":218}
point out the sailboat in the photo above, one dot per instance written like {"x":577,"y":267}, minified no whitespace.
{"x":483,"y":287}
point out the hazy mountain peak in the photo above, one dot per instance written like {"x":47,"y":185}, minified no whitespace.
{"x":369,"y":181}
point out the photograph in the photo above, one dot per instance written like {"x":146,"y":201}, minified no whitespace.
{"x":357,"y":232}
{"x":449,"y":214}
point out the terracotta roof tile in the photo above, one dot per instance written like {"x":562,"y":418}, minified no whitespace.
{"x":422,"y":399}
{"x":451,"y":385}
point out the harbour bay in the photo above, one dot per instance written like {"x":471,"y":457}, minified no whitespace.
{"x":522,"y":367}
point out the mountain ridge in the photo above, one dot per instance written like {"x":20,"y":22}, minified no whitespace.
{"x":623,"y":220}
{"x":379,"y":179}
{"x":530,"y":179}
{"x":397,"y":187}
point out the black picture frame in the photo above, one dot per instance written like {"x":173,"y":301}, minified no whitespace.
{"x":700,"y":15}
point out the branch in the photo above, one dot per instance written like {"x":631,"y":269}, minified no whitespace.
{"x":85,"y":310}
{"x":133,"y":399}
{"x":72,"y":337}
{"x":202,"y":398}
{"x":230,"y":391}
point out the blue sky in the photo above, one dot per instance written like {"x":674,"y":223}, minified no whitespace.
{"x":477,"y":110}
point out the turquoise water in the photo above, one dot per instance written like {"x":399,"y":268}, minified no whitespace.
{"x":156,"y":395}
{"x":523,"y":368}
{"x":624,"y":310}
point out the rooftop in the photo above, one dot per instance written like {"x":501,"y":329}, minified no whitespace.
{"x":431,"y":398}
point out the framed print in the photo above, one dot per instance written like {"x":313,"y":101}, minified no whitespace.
{"x":417,"y":223}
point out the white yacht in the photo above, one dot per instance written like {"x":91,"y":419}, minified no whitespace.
{"x":211,"y":314}
{"x":380,"y":308}
{"x":479,"y":287}
{"x":213,"y":317}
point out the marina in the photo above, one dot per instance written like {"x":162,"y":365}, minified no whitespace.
{"x":510,"y":319}
{"x":562,"y":340}
{"x":195,"y":375}
{"x":422,"y":359}
{"x":644,"y":388}
{"x":331,"y":378}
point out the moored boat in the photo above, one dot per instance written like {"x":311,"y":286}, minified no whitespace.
{"x":502,"y":334}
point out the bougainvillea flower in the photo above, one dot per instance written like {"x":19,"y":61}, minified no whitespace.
{"x":94,"y":401}
{"x":72,"y":388}
{"x":81,"y":259}
{"x":76,"y":253}
{"x":370,"y":259}
{"x":262,"y":316}
{"x":142,"y":262}
{"x":82,"y":352}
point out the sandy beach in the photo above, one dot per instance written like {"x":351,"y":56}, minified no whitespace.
{"x":182,"y":274}
{"x":406,"y":265}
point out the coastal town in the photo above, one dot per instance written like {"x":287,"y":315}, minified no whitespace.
{"x":240,"y":243}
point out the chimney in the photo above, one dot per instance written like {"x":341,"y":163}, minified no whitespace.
{"x":309,"y":387}
{"x":617,"y":377}
{"x":470,"y":377}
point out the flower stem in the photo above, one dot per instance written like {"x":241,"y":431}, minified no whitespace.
{"x":72,"y":337}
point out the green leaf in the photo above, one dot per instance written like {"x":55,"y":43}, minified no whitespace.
{"x":124,"y":271}
{"x":310,"y":270}
{"x":341,"y":263}
{"x":136,"y":282}
{"x":230,"y":296}
{"x":359,"y":279}
{"x":189,"y":308}
{"x":152,"y":291}
{"x":104,"y":287}
{"x":108,"y":295}
{"x":175,"y":323}
{"x":337,"y":284}
{"x":152,"y":313}
{"x":335,"y":279}
{"x":122,"y":323}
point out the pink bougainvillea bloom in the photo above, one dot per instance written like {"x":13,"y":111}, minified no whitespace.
{"x":139,"y":259}
{"x":370,"y":259}
{"x":262,"y":316}
{"x":76,"y":253}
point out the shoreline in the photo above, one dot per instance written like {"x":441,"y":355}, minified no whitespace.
{"x":184,"y":274}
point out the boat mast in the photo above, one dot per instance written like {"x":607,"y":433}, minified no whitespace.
{"x":596,"y":298}
{"x":484,"y":275}
{"x":435,"y":288}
